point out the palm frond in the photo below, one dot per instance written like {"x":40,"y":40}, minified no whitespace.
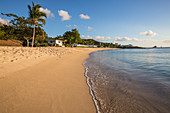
{"x":29,"y":7}
{"x":37,"y":6}
{"x":42,"y":21}
{"x":30,"y":11}
{"x":39,"y":26}
{"x":32,"y":3}
{"x":29,"y":21}
{"x":10,"y":14}
{"x":42,"y":14}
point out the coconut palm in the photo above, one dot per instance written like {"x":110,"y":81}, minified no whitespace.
{"x":36,"y":16}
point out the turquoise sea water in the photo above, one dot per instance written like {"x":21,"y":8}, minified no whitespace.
{"x":130,"y":80}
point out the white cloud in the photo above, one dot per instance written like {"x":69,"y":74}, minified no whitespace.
{"x":82,"y":16}
{"x":166,"y":41}
{"x":64,"y":15}
{"x":130,"y":39}
{"x":71,"y":25}
{"x":148,"y":33}
{"x":68,"y":25}
{"x":86,"y":37}
{"x":47,"y":12}
{"x":89,"y":28}
{"x":100,"y":38}
{"x":4,"y":21}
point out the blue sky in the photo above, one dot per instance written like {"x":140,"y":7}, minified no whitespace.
{"x":138,"y":22}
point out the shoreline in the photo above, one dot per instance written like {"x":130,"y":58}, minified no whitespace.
{"x":91,"y":90}
{"x":53,"y":84}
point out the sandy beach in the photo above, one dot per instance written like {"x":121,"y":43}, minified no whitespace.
{"x":44,"y":80}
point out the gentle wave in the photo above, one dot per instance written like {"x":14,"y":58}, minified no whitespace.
{"x":129,"y":80}
{"x":90,"y":88}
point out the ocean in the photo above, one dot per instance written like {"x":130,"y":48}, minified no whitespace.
{"x":130,"y":80}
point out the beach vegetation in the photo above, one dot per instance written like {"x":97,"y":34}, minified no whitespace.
{"x":99,"y":46}
{"x":37,"y":44}
{"x":72,"y":37}
{"x":19,"y":29}
{"x":30,"y":29}
{"x":44,"y":44}
{"x":67,"y":45}
{"x":56,"y":45}
{"x":50,"y":44}
{"x":6,"y":32}
{"x":36,"y":17}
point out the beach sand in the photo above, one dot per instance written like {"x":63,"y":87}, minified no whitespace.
{"x":44,"y":80}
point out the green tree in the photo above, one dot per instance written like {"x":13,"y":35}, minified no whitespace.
{"x":76,"y":36}
{"x":116,"y":45}
{"x":40,"y":35}
{"x":7,"y":32}
{"x":67,"y":37}
{"x":21,"y":26}
{"x":112,"y":45}
{"x":83,"y":41}
{"x":36,"y":16}
{"x":72,"y":37}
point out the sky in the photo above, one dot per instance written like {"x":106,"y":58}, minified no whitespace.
{"x":143,"y":23}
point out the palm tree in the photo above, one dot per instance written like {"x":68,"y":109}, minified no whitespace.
{"x":36,"y":16}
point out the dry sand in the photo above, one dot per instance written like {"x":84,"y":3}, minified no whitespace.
{"x":44,"y":80}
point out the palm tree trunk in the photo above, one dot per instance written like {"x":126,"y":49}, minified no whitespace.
{"x":72,"y":45}
{"x":33,"y":35}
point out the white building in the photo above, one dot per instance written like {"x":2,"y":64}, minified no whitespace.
{"x":80,"y":45}
{"x":59,"y":42}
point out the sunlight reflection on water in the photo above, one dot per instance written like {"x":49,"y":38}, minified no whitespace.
{"x":141,"y":77}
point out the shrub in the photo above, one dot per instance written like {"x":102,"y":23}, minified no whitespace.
{"x":99,"y":46}
{"x":67,"y":45}
{"x":37,"y":44}
{"x":56,"y":45}
{"x":50,"y":44}
{"x":44,"y":44}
